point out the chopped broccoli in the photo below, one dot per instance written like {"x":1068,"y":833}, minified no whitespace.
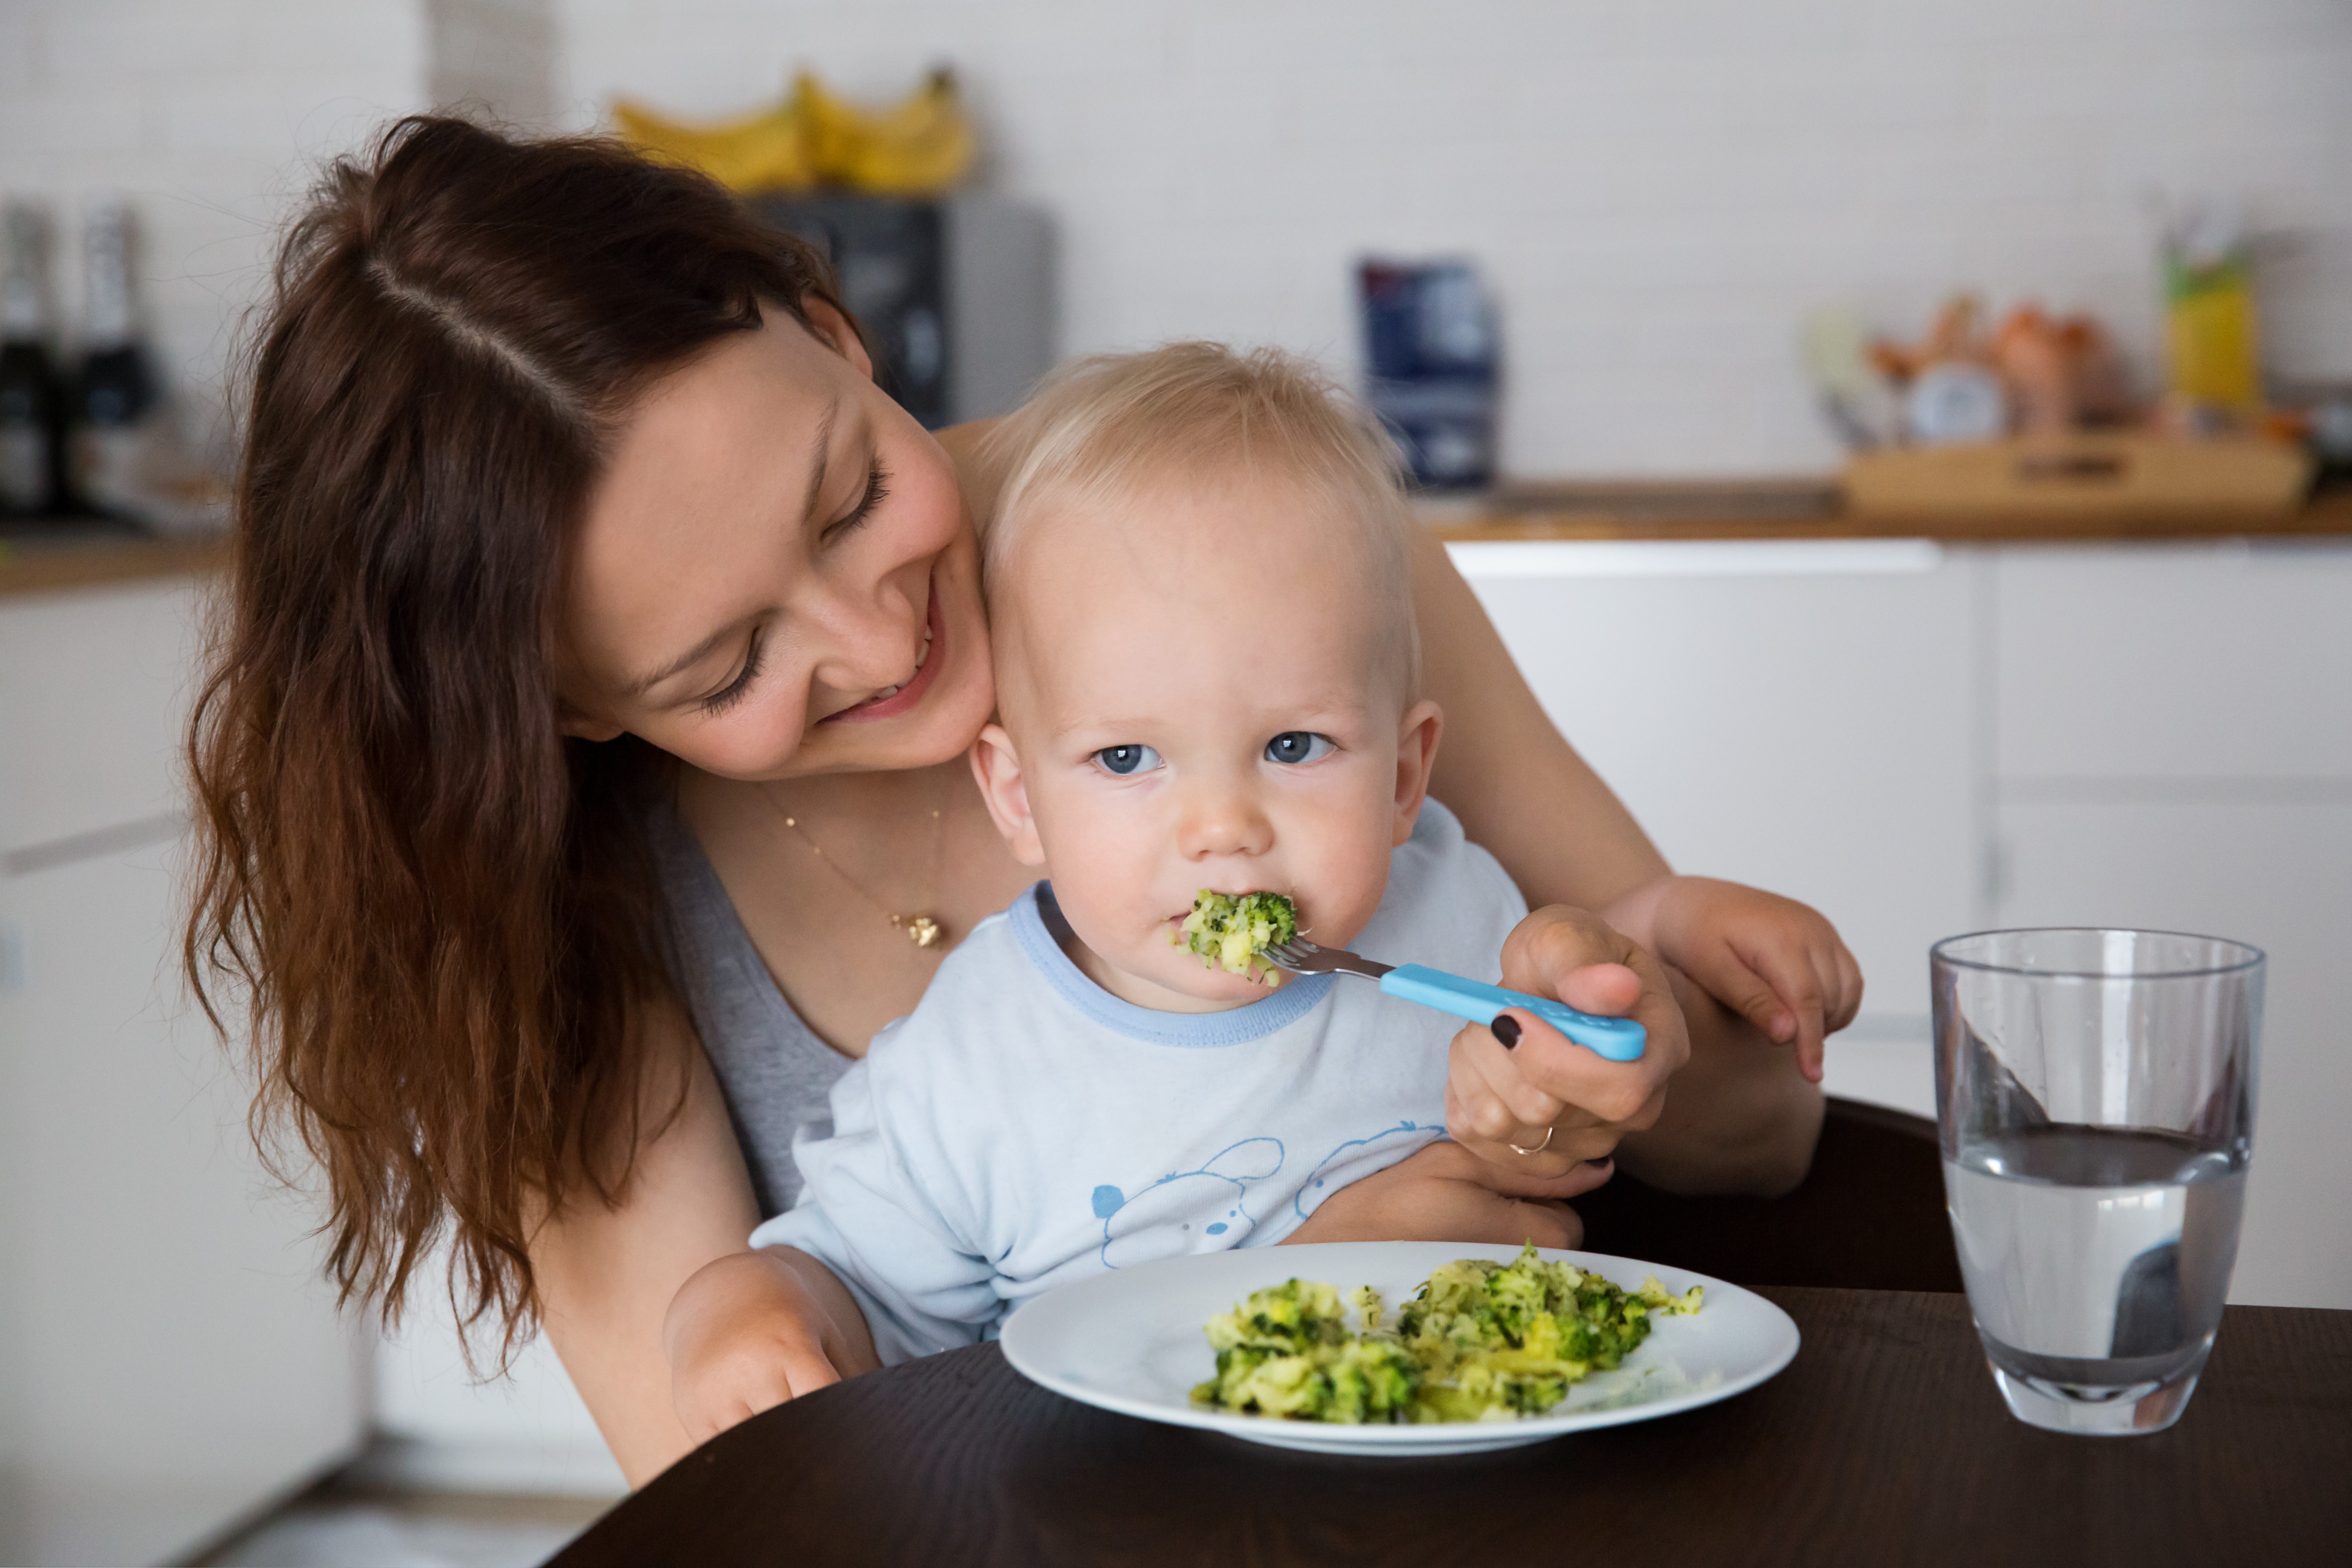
{"x":1287,"y":1351}
{"x":1480,"y":1341}
{"x":1229,"y":931}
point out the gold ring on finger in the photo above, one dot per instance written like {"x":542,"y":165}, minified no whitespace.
{"x":1539,"y":1148}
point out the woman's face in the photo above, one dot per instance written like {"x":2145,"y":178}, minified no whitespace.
{"x":776,"y":574}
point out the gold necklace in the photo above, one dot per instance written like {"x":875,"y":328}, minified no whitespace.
{"x":924,"y":930}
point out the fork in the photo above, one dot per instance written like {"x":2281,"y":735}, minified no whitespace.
{"x":1618,"y":1039}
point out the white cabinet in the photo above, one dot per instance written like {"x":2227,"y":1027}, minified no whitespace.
{"x":1923,"y":742}
{"x":2276,"y":874}
{"x":1798,"y":715}
{"x":93,"y":690}
{"x":2174,"y":749}
{"x":169,"y":1359}
{"x":2205,"y":662}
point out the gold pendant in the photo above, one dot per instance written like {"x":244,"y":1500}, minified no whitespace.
{"x":921,"y":929}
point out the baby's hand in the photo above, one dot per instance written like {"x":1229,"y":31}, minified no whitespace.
{"x":752,"y":1330}
{"x":1773,"y":960}
{"x":1446,"y":1192}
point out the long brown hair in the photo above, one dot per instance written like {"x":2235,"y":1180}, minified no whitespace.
{"x":438,"y":914}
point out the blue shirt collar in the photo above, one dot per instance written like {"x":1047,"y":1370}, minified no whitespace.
{"x":1236,"y":1027}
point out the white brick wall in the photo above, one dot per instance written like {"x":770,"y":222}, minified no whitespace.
{"x":206,"y":117}
{"x":212,"y":118}
{"x":1659,"y":191}
{"x":496,"y":54}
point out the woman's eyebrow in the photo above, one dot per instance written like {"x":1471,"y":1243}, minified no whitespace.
{"x":684,"y":662}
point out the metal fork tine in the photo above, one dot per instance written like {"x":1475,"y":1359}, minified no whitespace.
{"x":1303,"y":957}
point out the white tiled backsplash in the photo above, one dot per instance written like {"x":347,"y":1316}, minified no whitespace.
{"x":1659,"y":192}
{"x":211,"y":118}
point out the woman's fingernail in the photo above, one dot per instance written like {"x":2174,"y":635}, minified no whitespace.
{"x":1602,"y":1160}
{"x":1507,"y":1029}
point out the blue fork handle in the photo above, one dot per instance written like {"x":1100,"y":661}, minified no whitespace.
{"x":1618,"y":1039}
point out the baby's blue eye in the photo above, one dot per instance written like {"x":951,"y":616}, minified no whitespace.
{"x":1128,"y":759}
{"x":1297,"y":746}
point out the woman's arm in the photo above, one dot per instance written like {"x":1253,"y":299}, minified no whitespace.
{"x":1517,"y":785}
{"x":606,"y":1276}
{"x":1740,"y":1116}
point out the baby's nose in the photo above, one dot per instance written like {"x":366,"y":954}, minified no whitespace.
{"x":1224,"y":822}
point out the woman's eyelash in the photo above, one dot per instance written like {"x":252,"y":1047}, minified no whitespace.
{"x":734,"y":691}
{"x":877,"y":490}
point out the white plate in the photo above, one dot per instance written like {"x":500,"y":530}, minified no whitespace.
{"x":1132,"y":1340}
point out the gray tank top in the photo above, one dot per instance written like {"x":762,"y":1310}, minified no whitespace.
{"x":776,"y":1075}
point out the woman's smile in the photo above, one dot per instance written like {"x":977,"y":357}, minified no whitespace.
{"x":893,"y":700}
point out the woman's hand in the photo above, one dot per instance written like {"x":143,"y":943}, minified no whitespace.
{"x":1524,"y":1096}
{"x":752,"y":1330}
{"x":1444,"y":1193}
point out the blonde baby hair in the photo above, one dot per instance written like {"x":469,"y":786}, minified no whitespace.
{"x":1100,"y":431}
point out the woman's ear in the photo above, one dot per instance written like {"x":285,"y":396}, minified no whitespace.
{"x":998,"y":768}
{"x":834,"y":330}
{"x":1416,"y":754}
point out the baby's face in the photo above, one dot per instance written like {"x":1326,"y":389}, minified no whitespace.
{"x":1197,"y":694}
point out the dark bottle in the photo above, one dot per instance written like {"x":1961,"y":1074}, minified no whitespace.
{"x":114,"y":390}
{"x":32,"y":403}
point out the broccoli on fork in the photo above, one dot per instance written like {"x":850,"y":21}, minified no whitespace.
{"x":1229,"y":931}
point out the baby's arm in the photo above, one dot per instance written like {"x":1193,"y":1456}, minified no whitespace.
{"x":863,"y":1271}
{"x":1444,"y":1193}
{"x":755,"y":1329}
{"x":1775,"y":961}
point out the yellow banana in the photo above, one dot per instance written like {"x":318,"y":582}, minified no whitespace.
{"x":762,"y":151}
{"x":920,"y":146}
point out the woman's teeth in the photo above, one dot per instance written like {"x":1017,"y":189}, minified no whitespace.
{"x":922,"y":654}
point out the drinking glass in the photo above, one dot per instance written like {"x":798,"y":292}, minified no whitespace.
{"x":2094,"y":1091}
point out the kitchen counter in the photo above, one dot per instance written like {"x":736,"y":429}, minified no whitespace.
{"x":1813,"y":509}
{"x":46,"y":558}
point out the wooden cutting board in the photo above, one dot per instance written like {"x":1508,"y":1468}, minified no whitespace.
{"x":2076,"y":479}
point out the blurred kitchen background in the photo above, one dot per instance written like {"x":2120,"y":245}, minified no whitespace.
{"x":1640,"y":282}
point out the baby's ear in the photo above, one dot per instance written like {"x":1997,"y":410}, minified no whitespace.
{"x":1417,"y":735}
{"x":997,"y":766}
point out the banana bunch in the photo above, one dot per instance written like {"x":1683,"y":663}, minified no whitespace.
{"x":919,"y":147}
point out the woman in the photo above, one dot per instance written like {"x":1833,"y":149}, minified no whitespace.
{"x":582,"y":764}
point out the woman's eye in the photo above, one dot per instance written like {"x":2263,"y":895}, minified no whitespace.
{"x":1296,"y":746}
{"x":877,"y":491}
{"x":735,"y":690}
{"x":1124,"y":760}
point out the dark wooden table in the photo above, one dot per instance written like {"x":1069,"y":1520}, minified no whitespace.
{"x":1883,"y":1443}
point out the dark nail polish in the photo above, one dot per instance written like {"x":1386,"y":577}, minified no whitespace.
{"x":1507,"y":1029}
{"x":1602,"y":1160}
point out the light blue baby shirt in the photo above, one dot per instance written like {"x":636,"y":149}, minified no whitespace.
{"x":1023,"y":1127}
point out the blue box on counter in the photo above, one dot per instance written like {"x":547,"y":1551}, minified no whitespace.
{"x":1431,"y":367}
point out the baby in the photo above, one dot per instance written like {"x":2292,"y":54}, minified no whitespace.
{"x":1207,"y":671}
{"x":1207,"y":675}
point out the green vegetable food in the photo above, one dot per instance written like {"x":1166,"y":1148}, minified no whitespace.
{"x":1229,"y":929}
{"x":1480,"y":1341}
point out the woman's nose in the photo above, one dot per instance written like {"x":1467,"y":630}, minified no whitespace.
{"x":1223,"y":820}
{"x":863,"y":642}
